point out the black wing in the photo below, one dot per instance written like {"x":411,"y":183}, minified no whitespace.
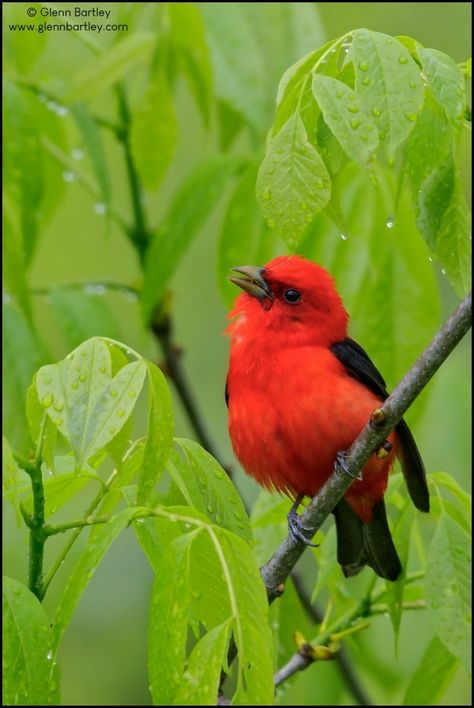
{"x":226,"y":393}
{"x":360,"y":366}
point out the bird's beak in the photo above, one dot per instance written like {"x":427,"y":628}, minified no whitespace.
{"x":253,"y":281}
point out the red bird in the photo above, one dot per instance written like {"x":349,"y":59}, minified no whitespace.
{"x":299,"y":391}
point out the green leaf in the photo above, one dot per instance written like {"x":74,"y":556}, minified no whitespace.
{"x":190,"y":209}
{"x":81,"y":315}
{"x":208,"y":576}
{"x":14,"y":267}
{"x":448,"y":590}
{"x":85,"y":568}
{"x":395,"y":591}
{"x":154,"y":132}
{"x":52,"y":392}
{"x":242,"y":237}
{"x":93,"y":142}
{"x":208,"y":489}
{"x":189,"y":41}
{"x":446,"y":81}
{"x":168,"y":624}
{"x":200,"y":682}
{"x":59,"y":490}
{"x":431,"y":677}
{"x":237,"y":61}
{"x":111,"y":409}
{"x":23,"y":355}
{"x":23,"y":168}
{"x":11,"y":478}
{"x":446,"y":481}
{"x":29,"y":675}
{"x":293,"y":183}
{"x":34,"y":415}
{"x":407,"y":316}
{"x":445,"y":222}
{"x":346,"y":118}
{"x":22,"y":55}
{"x":111,"y":66}
{"x":159,"y":435}
{"x":388,"y":82}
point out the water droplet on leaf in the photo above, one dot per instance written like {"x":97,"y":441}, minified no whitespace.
{"x":47,"y":400}
{"x":69,"y":176}
{"x":77,"y":154}
{"x":403,"y":59}
{"x":363,"y":66}
{"x":390,"y":222}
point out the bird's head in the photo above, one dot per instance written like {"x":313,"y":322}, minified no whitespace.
{"x":293,"y":298}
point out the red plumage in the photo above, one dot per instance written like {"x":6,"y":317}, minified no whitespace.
{"x":293,"y":405}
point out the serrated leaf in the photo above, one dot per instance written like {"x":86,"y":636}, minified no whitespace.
{"x":154,"y":132}
{"x":159,"y":435}
{"x":27,"y":652}
{"x":293,"y":183}
{"x":347,"y":119}
{"x":431,"y":677}
{"x":207,"y":488}
{"x":188,"y":38}
{"x":189,"y":210}
{"x":111,"y":409}
{"x":448,"y":587}
{"x":388,"y":82}
{"x":82,"y":315}
{"x":85,"y":568}
{"x":446,"y":81}
{"x":108,"y":68}
{"x":200,"y":682}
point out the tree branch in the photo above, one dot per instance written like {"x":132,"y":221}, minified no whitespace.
{"x":275,"y":572}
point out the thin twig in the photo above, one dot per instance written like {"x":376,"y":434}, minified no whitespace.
{"x":162,"y":328}
{"x":348,"y":673}
{"x":275,"y":572}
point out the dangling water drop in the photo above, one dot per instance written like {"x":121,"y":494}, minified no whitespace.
{"x":390,"y":222}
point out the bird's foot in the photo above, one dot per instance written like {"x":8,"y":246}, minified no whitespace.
{"x":297,"y":531}
{"x":341,"y":464}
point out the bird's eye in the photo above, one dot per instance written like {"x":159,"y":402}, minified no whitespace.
{"x":292,"y":296}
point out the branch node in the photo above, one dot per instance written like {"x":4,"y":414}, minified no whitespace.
{"x":378,"y":417}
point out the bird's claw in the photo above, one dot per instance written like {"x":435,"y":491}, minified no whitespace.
{"x":297,"y":531}
{"x":341,"y":464}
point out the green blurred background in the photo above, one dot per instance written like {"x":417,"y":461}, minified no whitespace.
{"x":103,"y":657}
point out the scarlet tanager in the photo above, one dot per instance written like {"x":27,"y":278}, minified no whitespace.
{"x":299,"y":391}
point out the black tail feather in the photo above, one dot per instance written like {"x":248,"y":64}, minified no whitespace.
{"x":360,"y":544}
{"x":413,"y":468}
